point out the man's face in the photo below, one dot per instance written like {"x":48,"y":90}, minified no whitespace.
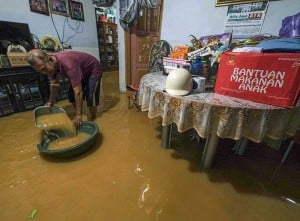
{"x":44,"y":67}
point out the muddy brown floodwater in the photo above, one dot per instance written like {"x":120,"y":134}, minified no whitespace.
{"x":126,"y":176}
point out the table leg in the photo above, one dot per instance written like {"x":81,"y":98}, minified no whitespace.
{"x":210,"y":149}
{"x":166,"y":136}
{"x":243,"y":146}
{"x":240,"y":146}
{"x":286,"y":153}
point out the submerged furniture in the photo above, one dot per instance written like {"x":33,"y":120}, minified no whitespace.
{"x":214,"y":116}
{"x":158,"y":50}
{"x":23,"y":89}
{"x":295,"y":139}
{"x":132,"y":94}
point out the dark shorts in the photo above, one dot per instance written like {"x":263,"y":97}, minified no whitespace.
{"x":91,"y":92}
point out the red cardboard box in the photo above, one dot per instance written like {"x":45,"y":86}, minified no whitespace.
{"x":270,"y":78}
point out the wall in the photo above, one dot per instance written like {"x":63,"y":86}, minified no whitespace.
{"x":200,"y":18}
{"x":41,"y":25}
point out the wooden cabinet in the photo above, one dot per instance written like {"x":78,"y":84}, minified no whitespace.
{"x":22,"y":89}
{"x":108,"y":45}
{"x":142,"y":36}
{"x":149,"y":22}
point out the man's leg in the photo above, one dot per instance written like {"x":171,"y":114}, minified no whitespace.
{"x":71,"y":97}
{"x":93,"y":97}
{"x":93,"y":112}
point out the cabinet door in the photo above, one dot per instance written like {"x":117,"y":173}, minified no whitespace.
{"x":154,"y":18}
{"x":148,"y":22}
{"x":6,"y":101}
{"x":64,"y":87}
{"x":22,"y":89}
{"x":140,"y":56}
{"x":26,"y":91}
{"x":141,"y":26}
{"x":141,"y":38}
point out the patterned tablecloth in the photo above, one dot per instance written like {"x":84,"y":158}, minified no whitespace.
{"x":209,"y":113}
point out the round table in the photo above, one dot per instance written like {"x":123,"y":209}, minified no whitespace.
{"x":215,"y":116}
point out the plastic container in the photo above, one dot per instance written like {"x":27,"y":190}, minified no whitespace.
{"x":45,"y":110}
{"x":197,"y":67}
{"x":88,"y":127}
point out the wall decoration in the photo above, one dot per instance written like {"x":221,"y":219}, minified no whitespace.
{"x":50,"y":43}
{"x":39,"y":6}
{"x":246,"y":20}
{"x":59,"y":7}
{"x":235,"y":2}
{"x":76,"y":10}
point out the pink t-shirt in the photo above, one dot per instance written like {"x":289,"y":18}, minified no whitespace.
{"x":77,"y":66}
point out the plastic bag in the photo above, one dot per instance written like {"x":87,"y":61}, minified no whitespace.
{"x":130,"y":10}
{"x":290,"y":26}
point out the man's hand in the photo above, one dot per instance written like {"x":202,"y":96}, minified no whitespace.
{"x":77,"y":121}
{"x":54,"y":86}
{"x":49,"y":104}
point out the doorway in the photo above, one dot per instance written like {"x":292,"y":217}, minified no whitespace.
{"x":138,"y":42}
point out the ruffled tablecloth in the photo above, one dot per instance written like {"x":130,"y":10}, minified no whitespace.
{"x":208,"y":113}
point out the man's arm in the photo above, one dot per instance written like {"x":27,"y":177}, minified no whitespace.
{"x":78,"y":104}
{"x":54,"y":85}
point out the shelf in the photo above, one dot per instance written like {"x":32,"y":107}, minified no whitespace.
{"x":108,"y":44}
{"x":104,"y":14}
{"x":23,"y":89}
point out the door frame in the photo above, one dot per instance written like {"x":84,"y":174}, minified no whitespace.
{"x":127,"y":43}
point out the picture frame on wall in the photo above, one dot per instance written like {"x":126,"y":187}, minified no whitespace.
{"x":59,"y":7}
{"x":76,"y":10}
{"x":39,"y":6}
{"x":235,"y":2}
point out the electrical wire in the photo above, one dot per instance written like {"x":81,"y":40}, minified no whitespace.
{"x":59,"y":39}
{"x":36,"y":39}
{"x":77,"y":29}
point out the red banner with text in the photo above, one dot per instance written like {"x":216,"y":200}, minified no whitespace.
{"x":270,"y":78}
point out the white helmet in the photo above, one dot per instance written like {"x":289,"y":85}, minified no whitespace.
{"x":179,"y":82}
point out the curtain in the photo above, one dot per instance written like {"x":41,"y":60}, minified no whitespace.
{"x":130,"y":10}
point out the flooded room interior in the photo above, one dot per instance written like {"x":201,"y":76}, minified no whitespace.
{"x":198,"y":115}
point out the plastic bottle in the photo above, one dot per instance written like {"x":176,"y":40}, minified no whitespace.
{"x":197,"y":67}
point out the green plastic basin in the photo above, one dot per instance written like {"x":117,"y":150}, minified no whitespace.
{"x":88,"y":127}
{"x":45,"y":110}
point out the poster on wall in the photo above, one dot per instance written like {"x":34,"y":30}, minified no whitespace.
{"x":246,"y":20}
{"x":76,"y":10}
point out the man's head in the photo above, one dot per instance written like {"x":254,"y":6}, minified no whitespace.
{"x":41,"y":61}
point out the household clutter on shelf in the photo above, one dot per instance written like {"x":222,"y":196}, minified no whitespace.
{"x":201,"y":58}
{"x":107,"y":32}
{"x":21,"y":87}
{"x":263,"y":69}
